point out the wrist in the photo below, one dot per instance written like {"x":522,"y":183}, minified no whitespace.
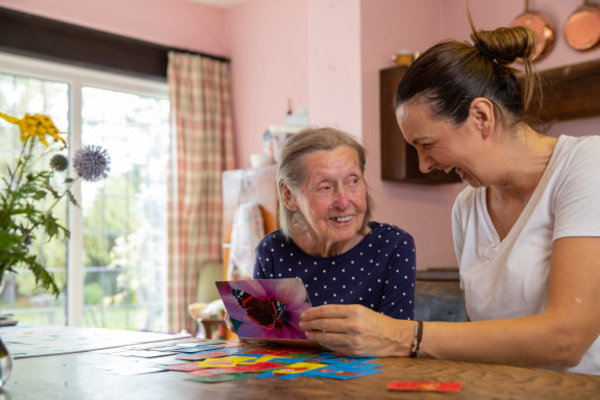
{"x":417,"y":339}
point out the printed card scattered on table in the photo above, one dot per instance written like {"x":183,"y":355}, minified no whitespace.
{"x":425,"y":386}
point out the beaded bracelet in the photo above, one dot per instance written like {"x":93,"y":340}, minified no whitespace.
{"x":417,"y":340}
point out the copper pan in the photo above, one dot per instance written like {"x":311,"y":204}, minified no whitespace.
{"x":542,"y":27}
{"x":582,"y":29}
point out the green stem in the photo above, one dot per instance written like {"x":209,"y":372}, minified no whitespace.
{"x":16,"y":176}
{"x":19,"y":167}
{"x":27,"y":232}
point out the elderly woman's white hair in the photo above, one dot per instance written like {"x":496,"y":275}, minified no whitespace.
{"x":292,"y":172}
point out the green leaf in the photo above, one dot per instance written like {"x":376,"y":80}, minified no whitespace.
{"x":51,"y":226}
{"x":49,"y":188}
{"x":72,"y":198}
{"x":42,"y":276}
{"x":39,"y":194}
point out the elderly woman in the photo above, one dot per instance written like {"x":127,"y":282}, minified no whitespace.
{"x":526,"y":229}
{"x":326,"y":236}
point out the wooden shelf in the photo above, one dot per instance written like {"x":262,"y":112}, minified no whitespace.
{"x":571,"y":92}
{"x":399,"y":160}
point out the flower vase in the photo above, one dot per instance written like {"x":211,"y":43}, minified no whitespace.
{"x":5,"y":364}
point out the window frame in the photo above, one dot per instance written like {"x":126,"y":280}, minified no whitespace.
{"x":78,"y":77}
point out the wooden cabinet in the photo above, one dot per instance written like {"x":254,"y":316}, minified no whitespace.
{"x":399,"y":160}
{"x":571,"y":92}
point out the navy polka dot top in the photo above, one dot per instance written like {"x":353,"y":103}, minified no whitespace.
{"x":379,"y":272}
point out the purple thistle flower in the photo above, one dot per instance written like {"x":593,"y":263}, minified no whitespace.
{"x":59,"y":162}
{"x":92,"y":163}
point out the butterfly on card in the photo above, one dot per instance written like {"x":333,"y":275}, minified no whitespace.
{"x":267,"y":313}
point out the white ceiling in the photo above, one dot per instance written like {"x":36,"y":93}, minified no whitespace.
{"x":220,"y":3}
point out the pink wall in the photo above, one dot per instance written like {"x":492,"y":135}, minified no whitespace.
{"x":334,"y":56}
{"x":326,"y":54}
{"x":269,"y":66}
{"x":178,"y":23}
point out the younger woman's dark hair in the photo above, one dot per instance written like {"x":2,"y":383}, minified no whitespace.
{"x":449,"y":75}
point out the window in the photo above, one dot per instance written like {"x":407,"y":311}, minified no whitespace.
{"x":114,"y":265}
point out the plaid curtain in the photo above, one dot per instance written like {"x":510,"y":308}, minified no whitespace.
{"x":199,"y":93}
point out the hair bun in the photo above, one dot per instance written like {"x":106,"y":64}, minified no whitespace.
{"x":506,"y":44}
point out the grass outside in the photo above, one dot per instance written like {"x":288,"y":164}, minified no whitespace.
{"x":116,"y":317}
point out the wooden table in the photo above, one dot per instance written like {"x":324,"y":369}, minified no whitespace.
{"x":77,"y":376}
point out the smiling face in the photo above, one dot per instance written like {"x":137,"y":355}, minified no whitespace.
{"x":439,"y":144}
{"x":332,"y":200}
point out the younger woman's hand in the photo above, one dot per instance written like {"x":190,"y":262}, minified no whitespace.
{"x":357,"y":331}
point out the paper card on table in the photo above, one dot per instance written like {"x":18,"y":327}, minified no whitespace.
{"x":268,"y":374}
{"x":255,"y":367}
{"x":210,"y":371}
{"x":350,"y":363}
{"x":237,"y":369}
{"x":228,"y":345}
{"x":292,"y":360}
{"x":287,"y":361}
{"x":165,"y":348}
{"x":223,"y":361}
{"x":350,"y":360}
{"x":195,"y":349}
{"x":218,"y":378}
{"x":304,"y":351}
{"x":262,"y":359}
{"x":340,"y":372}
{"x":272,"y":351}
{"x":303,"y":355}
{"x":424,"y":386}
{"x":190,"y":344}
{"x":266,"y":308}
{"x":185,"y":367}
{"x":203,"y":355}
{"x":166,"y":361}
{"x":273,"y":375}
{"x":145,"y":353}
{"x":300,"y":367}
{"x":213,"y":342}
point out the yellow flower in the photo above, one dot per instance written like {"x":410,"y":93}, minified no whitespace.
{"x":36,"y":125}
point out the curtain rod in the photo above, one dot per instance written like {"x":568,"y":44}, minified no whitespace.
{"x":31,"y":35}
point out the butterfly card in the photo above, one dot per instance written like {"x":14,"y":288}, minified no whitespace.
{"x":266,"y":308}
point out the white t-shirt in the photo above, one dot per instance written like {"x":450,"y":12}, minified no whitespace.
{"x":508,"y":278}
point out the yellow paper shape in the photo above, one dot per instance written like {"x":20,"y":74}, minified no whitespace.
{"x":219,"y":362}
{"x":299,"y":367}
{"x":264,"y":358}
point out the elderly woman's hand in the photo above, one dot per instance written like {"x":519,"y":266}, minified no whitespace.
{"x":357,"y":331}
